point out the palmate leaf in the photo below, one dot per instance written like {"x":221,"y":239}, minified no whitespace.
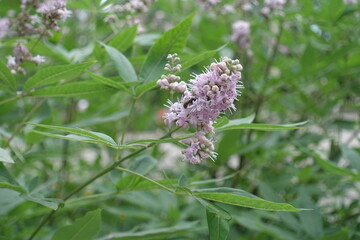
{"x":84,"y":228}
{"x":173,"y":41}
{"x":54,"y":74}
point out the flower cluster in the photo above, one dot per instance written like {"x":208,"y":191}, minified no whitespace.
{"x":207,"y":4}
{"x":21,"y":54}
{"x":4,"y":26}
{"x":128,"y":14}
{"x":133,"y":6}
{"x":209,"y":94}
{"x":241,"y":35}
{"x":350,"y":2}
{"x":52,"y":12}
{"x":171,"y":81}
{"x":35,"y":17}
{"x":275,"y":6}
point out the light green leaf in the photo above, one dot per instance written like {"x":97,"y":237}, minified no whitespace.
{"x":141,"y":165}
{"x":352,"y":156}
{"x":164,"y":140}
{"x":13,"y":187}
{"x":197,"y":58}
{"x":243,"y":199}
{"x":75,"y":89}
{"x":84,"y":228}
{"x":157,"y":233}
{"x":218,"y":227}
{"x":258,"y":126}
{"x":54,"y":74}
{"x":173,"y":41}
{"x":124,"y":39}
{"x":5,"y":156}
{"x":182,"y":181}
{"x":72,"y":137}
{"x":108,"y":82}
{"x":143,"y":88}
{"x":225,"y":123}
{"x":79,"y":131}
{"x":6,"y":78}
{"x":122,"y":64}
{"x":52,"y":203}
{"x":329,"y":166}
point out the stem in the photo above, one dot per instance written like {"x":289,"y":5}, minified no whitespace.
{"x":10,"y":99}
{"x":26,"y":118}
{"x":96,"y":176}
{"x":127,"y":121}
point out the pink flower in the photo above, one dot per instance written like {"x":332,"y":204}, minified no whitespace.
{"x":208,"y":95}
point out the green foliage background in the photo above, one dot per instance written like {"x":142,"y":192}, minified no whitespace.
{"x":115,"y":70}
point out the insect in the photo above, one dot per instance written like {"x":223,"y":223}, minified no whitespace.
{"x":186,"y":104}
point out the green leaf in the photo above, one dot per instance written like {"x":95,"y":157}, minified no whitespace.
{"x":108,"y":82}
{"x":75,"y":89}
{"x":148,"y":186}
{"x":241,"y":198}
{"x":218,"y":227}
{"x":124,"y":39}
{"x":342,"y":234}
{"x":46,"y":202}
{"x":72,"y":137}
{"x":164,"y":140}
{"x":143,"y":88}
{"x":224,"y":122}
{"x":84,"y":228}
{"x":54,"y":74}
{"x":156,"y":233}
{"x":311,"y":221}
{"x":141,"y":165}
{"x":13,"y":187}
{"x":5,"y":156}
{"x":327,"y":165}
{"x":259,"y":126}
{"x":82,"y":132}
{"x":122,"y":64}
{"x":173,"y":41}
{"x":6,"y":78}
{"x":197,"y":58}
{"x":182,"y":181}
{"x":352,"y":156}
{"x":221,"y":122}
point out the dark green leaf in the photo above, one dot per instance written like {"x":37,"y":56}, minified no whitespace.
{"x":109,"y":82}
{"x":173,"y":41}
{"x":82,"y":132}
{"x":122,"y":64}
{"x":84,"y":228}
{"x":75,"y":89}
{"x":54,"y":74}
{"x":124,"y":39}
{"x":6,"y":78}
{"x":243,"y":199}
{"x":218,"y":227}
